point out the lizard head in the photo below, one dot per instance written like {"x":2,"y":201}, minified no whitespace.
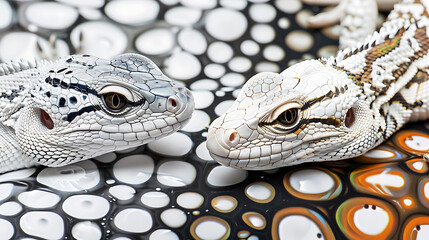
{"x":87,"y":106}
{"x":309,"y":112}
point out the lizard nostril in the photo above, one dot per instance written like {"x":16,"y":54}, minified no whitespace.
{"x":350,"y":118}
{"x":231,"y":138}
{"x":173,"y":104}
{"x":46,"y":120}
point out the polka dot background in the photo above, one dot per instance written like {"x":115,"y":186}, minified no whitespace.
{"x":171,"y":188}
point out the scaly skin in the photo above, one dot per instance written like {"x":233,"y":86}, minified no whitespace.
{"x":331,"y":109}
{"x":78,"y":107}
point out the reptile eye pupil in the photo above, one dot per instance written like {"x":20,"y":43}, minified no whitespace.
{"x":289,"y":116}
{"x":114,"y":101}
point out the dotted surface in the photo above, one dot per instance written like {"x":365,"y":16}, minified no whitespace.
{"x":171,"y":188}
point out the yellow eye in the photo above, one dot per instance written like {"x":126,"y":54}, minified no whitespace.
{"x":288,"y":117}
{"x":114,"y":101}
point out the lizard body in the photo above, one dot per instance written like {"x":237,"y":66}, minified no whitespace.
{"x":59,"y":112}
{"x":331,"y":109}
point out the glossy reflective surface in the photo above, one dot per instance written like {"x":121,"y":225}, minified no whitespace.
{"x":172,"y":189}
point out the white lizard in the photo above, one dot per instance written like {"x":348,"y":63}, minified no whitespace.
{"x":331,"y":109}
{"x":59,"y":112}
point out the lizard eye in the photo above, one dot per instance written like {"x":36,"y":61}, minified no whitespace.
{"x":115,"y":102}
{"x":288,"y":117}
{"x":284,"y":118}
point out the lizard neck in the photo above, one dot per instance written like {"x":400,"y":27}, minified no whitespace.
{"x":383,"y":67}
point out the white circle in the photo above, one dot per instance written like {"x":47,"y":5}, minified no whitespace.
{"x":134,"y":169}
{"x":190,"y":200}
{"x":163,"y":234}
{"x":284,"y":23}
{"x":267,"y":67}
{"x":311,"y":181}
{"x":220,"y":52}
{"x":192,"y":41}
{"x":262,"y":12}
{"x":236,"y":4}
{"x":370,"y":221}
{"x":205,"y":84}
{"x":298,"y":227}
{"x":91,"y":13}
{"x":224,"y":203}
{"x":274,"y":53}
{"x":176,"y":173}
{"x":42,"y":224}
{"x":100,"y":38}
{"x":259,"y":191}
{"x":202,"y":152}
{"x":182,"y":16}
{"x":155,"y":199}
{"x":85,"y":206}
{"x":210,"y":230}
{"x":240,"y":64}
{"x":133,"y":220}
{"x":379,"y":153}
{"x":214,"y":70}
{"x":232,"y":80}
{"x":17,"y":175}
{"x":176,"y":144}
{"x":6,"y":14}
{"x":132,"y":12}
{"x":222,"y":176}
{"x":155,"y":41}
{"x":5,"y":190}
{"x":86,"y":230}
{"x":225,"y":24}
{"x":299,"y":40}
{"x":84,"y":3}
{"x":39,"y":199}
{"x":249,"y":47}
{"x":288,"y":6}
{"x":10,"y":209}
{"x":51,"y":15}
{"x":122,"y":192}
{"x":173,"y":217}
{"x":206,"y":4}
{"x":6,"y":229}
{"x":198,"y":122}
{"x":170,"y":2}
{"x":263,"y":33}
{"x":76,"y":177}
{"x":222,"y":107}
{"x":15,"y":45}
{"x":182,"y":66}
{"x":203,"y":99}
{"x":418,"y":143}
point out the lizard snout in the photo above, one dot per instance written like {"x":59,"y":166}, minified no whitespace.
{"x":220,"y":141}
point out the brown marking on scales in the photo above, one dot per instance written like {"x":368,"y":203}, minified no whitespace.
{"x":423,"y":40}
{"x":378,"y":51}
{"x":425,"y":13}
{"x":329,"y":95}
{"x":398,"y":98}
{"x":327,"y":121}
{"x":420,"y":77}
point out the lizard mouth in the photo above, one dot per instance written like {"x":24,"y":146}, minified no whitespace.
{"x":246,"y":163}
{"x":46,"y":119}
